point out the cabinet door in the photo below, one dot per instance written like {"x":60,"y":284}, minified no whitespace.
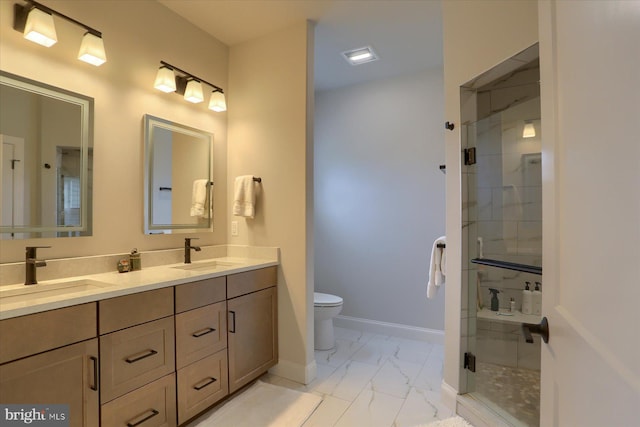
{"x":253,"y":336}
{"x":65,"y":376}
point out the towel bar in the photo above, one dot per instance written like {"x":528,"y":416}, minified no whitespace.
{"x":257,"y":179}
{"x":441,"y":245}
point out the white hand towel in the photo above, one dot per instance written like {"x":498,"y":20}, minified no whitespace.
{"x":436,"y":267}
{"x":198,"y":197}
{"x":244,"y":196}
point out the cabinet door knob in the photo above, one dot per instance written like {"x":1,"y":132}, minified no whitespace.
{"x":208,"y":381}
{"x":232,"y":324}
{"x":202,"y":332}
{"x":152,"y":413}
{"x":137,"y":357}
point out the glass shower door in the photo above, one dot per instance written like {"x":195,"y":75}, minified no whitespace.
{"x":502,"y":229}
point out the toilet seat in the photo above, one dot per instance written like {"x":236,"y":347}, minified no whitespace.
{"x":326,"y":300}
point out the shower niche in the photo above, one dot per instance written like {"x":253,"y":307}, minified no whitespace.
{"x":502,"y":237}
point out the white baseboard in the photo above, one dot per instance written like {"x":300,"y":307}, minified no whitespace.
{"x":448,"y":396}
{"x":385,"y":328}
{"x":295,"y":371}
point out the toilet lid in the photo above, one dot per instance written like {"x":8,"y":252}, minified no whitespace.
{"x":321,"y":299}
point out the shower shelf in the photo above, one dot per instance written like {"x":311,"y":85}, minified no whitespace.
{"x":508,"y":265}
{"x":506,"y":317}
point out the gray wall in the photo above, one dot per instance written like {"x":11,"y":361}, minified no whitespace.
{"x":380,"y":197}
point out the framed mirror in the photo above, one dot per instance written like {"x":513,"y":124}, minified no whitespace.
{"x":178,"y":166}
{"x":47,"y":156}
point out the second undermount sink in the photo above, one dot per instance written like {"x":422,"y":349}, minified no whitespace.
{"x":206,"y":266}
{"x":47,"y":290}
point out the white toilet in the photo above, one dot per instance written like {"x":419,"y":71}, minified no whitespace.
{"x":325,"y":308}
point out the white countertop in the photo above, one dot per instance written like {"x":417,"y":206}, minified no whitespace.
{"x":114,"y":284}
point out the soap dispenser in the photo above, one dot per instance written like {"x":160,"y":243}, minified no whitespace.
{"x":536,"y":296}
{"x":527,"y":299}
{"x":495,"y":303}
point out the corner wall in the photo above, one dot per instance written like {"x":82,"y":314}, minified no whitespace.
{"x":270,"y":114}
{"x":477,"y":36}
{"x":380,"y":195}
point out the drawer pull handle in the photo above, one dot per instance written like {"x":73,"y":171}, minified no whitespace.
{"x":209,"y":381}
{"x":202,"y":332}
{"x":152,"y":414}
{"x":233,"y":328}
{"x":140,"y":356}
{"x":94,"y":361}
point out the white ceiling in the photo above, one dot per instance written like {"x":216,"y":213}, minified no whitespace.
{"x":406,"y":34}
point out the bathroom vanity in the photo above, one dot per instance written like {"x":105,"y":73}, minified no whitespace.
{"x":158,"y":353}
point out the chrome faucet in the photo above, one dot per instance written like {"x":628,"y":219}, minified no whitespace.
{"x":188,"y":247}
{"x":30,"y":264}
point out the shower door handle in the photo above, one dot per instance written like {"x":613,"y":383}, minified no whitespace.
{"x":541,"y":329}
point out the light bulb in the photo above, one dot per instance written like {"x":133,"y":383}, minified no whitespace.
{"x":217,"y":102}
{"x":40,"y":28}
{"x":193,"y":92}
{"x":92,"y":50}
{"x":165,"y":80}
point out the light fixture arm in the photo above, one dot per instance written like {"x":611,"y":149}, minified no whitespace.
{"x":189,"y":75}
{"x":21,"y":13}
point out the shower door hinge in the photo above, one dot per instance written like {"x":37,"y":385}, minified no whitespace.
{"x":470,"y":362}
{"x":470,"y":156}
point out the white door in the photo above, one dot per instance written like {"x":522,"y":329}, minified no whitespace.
{"x":12,"y":188}
{"x":590,"y":81}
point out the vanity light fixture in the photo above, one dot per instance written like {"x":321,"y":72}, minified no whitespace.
{"x":35,"y":21}
{"x":361,"y":55}
{"x":529,"y":131}
{"x":170,"y":78}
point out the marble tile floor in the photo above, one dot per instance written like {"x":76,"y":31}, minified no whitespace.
{"x":371,"y":380}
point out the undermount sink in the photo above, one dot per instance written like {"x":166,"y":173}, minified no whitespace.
{"x":47,"y":290}
{"x":206,"y":266}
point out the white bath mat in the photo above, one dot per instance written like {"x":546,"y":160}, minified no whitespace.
{"x":263,"y":405}
{"x":449,"y":422}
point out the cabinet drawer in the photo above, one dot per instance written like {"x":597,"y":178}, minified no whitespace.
{"x":136,"y":356}
{"x":202,"y":384}
{"x":35,"y":333}
{"x":153,"y":405}
{"x":200,"y":332}
{"x":129,"y":310}
{"x":200,"y":293}
{"x":251,"y":281}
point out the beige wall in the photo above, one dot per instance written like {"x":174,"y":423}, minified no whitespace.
{"x":477,"y":36}
{"x":137,"y":36}
{"x":270,"y":99}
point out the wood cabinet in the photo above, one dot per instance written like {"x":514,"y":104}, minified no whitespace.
{"x":155,"y":358}
{"x":64,"y":371}
{"x":252,"y":325}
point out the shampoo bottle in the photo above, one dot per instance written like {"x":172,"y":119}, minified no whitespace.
{"x":537,"y":299}
{"x":527,"y":300}
{"x":495,"y":303}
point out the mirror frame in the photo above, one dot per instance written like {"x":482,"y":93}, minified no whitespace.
{"x":151,"y":123}
{"x":86,"y":105}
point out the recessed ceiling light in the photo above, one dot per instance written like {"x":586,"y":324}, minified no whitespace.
{"x":359,"y":56}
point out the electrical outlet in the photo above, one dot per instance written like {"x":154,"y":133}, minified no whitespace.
{"x":234,"y":228}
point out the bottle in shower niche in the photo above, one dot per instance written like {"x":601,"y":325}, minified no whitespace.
{"x":495,"y":303}
{"x":536,"y":297}
{"x":527,"y":299}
